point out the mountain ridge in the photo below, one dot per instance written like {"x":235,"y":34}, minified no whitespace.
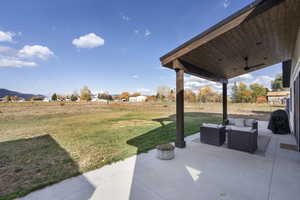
{"x":6,"y":92}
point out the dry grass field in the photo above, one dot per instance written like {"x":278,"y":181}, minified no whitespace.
{"x":43,"y":143}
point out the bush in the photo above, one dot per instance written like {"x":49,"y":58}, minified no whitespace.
{"x":74,"y":97}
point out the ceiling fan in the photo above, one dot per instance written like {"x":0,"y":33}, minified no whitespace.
{"x":247,"y":67}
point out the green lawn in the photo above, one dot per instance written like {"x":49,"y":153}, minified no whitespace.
{"x":43,"y":143}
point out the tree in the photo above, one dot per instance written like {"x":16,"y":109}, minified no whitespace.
{"x":136,"y":94}
{"x":74,"y":97}
{"x":85,"y":94}
{"x":277,"y":85}
{"x":124,"y":95}
{"x":37,"y":98}
{"x":163,"y":92}
{"x":244,"y":94}
{"x":105,"y":96}
{"x":234,"y":95}
{"x":171,"y":96}
{"x":189,"y":96}
{"x":257,"y":90}
{"x":54,"y":97}
{"x":7,"y":98}
{"x":206,"y":94}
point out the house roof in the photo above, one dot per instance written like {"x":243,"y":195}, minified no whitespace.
{"x":279,"y":93}
{"x":264,"y":32}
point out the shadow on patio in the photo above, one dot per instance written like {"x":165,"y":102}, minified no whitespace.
{"x":30,"y":164}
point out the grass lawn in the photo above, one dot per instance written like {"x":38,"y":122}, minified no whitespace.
{"x":43,"y":143}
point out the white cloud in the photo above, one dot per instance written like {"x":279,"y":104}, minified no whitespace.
{"x":226,"y":3}
{"x":15,"y":62}
{"x":246,"y":76}
{"x":8,"y":51}
{"x":194,"y":83}
{"x":6,"y":36}
{"x":38,"y":51}
{"x":263,"y":80}
{"x":125,"y":17}
{"x":90,"y":40}
{"x":147,"y":33}
{"x":135,"y":76}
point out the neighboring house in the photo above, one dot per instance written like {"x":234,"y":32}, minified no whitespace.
{"x":46,"y":99}
{"x":280,"y":97}
{"x":21,"y":100}
{"x":138,"y":99}
{"x":94,"y":99}
{"x":103,"y":100}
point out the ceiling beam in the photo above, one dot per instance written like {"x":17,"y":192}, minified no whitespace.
{"x":196,"y":71}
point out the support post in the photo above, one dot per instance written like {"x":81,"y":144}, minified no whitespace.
{"x":180,"y":143}
{"x":224,"y":101}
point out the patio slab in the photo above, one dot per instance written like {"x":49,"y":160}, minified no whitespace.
{"x":198,"y":171}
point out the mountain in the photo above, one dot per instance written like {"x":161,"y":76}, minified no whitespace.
{"x":5,"y":92}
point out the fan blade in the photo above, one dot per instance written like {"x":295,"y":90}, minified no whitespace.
{"x":253,"y":66}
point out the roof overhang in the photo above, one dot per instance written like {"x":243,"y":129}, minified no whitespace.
{"x":264,"y":32}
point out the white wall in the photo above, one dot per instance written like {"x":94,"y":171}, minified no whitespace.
{"x":294,"y":73}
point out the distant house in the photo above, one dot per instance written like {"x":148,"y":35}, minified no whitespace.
{"x":103,"y":100}
{"x":94,"y":99}
{"x":279,"y":97}
{"x":138,"y":99}
{"x":46,"y":99}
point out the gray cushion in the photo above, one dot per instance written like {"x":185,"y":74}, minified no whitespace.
{"x":245,"y":129}
{"x":239,"y":122}
{"x":212,"y":125}
{"x":249,"y":122}
{"x":230,"y":121}
{"x":228,"y":127}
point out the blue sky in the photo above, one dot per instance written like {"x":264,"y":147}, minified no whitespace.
{"x":63,"y":45}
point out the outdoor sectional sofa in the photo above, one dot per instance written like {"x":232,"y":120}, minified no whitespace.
{"x":241,"y":134}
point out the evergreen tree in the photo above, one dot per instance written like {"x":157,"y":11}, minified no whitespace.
{"x":277,"y":85}
{"x":235,"y":94}
{"x":54,"y":97}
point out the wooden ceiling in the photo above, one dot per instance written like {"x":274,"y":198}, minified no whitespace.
{"x":265,"y":32}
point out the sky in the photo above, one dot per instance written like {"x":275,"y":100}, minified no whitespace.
{"x":62,"y":45}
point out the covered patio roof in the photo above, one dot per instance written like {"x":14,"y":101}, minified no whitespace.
{"x":261,"y":34}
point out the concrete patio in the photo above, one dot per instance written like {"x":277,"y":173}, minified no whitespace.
{"x":199,"y":171}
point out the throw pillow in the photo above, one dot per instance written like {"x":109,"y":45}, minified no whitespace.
{"x":249,"y":122}
{"x":239,"y":122}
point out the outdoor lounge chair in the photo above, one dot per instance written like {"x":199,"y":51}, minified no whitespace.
{"x":242,"y":134}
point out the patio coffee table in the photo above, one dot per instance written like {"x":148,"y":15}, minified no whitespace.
{"x":212,"y":134}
